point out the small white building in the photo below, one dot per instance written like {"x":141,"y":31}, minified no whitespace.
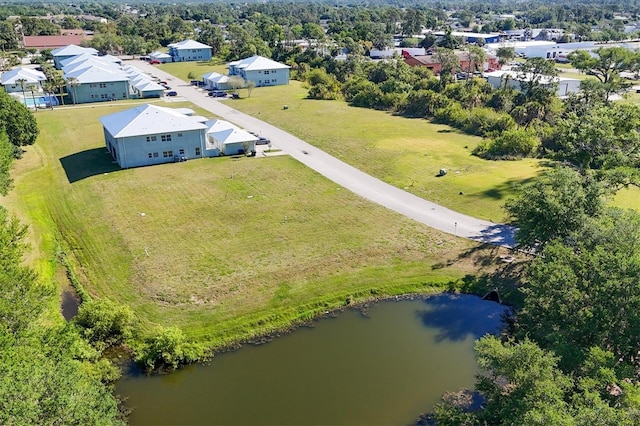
{"x":229,"y":139}
{"x":214,"y":80}
{"x":262,"y":71}
{"x":513,"y":79}
{"x":19,"y":79}
{"x":160,"y":56}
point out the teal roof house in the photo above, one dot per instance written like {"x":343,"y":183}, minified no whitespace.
{"x":262,"y":71}
{"x":19,"y":79}
{"x":189,"y":50}
{"x":229,"y":139}
{"x":149,"y":134}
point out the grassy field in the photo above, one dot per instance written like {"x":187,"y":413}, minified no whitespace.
{"x":182,"y":69}
{"x":407,"y":153}
{"x":224,"y":248}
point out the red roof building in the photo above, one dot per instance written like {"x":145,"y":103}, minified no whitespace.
{"x":53,"y":42}
{"x":431,"y":62}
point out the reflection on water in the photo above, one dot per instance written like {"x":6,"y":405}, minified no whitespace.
{"x":385,"y":368}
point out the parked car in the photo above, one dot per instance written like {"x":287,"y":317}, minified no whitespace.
{"x":172,"y":93}
{"x":262,"y":141}
{"x":235,"y":95}
{"x":154,"y":62}
{"x":218,"y":93}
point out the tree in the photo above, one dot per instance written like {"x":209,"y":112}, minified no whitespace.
{"x":73,"y":83}
{"x":606,"y":67}
{"x":449,"y":63}
{"x":586,"y":293}
{"x":6,"y":162}
{"x":505,"y":54}
{"x":475,"y":60}
{"x":448,"y":41}
{"x":413,"y":22}
{"x":236,"y":82}
{"x":554,"y":206}
{"x":602,"y":138}
{"x":18,"y":122}
{"x":22,"y":82}
{"x":538,"y":79}
{"x":608,"y":64}
{"x":250,"y":85}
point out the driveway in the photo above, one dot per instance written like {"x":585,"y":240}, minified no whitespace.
{"x":347,"y":176}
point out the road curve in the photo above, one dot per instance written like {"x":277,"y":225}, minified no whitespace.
{"x":347,"y":176}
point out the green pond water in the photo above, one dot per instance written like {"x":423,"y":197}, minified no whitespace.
{"x":384,"y":368}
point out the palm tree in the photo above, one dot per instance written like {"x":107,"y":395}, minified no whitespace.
{"x":31,"y":88}
{"x":73,"y":83}
{"x":21,"y":82}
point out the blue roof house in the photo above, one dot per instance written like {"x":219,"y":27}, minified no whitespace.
{"x":189,"y":50}
{"x":149,"y":134}
{"x":94,"y":83}
{"x":69,"y":51}
{"x":262,"y":71}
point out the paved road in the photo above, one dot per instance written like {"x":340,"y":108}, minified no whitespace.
{"x":349,"y":177}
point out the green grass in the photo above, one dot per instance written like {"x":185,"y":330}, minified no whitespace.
{"x":407,"y":153}
{"x":182,"y":69}
{"x":226,"y":248}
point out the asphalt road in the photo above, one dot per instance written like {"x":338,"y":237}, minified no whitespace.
{"x":349,"y":177}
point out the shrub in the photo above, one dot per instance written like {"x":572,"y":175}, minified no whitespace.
{"x":105,"y":323}
{"x":485,"y":121}
{"x":514,"y":143}
{"x":423,"y":103}
{"x":453,"y":114}
{"x":168,"y":348}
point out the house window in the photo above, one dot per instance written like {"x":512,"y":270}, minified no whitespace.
{"x":103,"y":85}
{"x":150,"y":155}
{"x":151,"y":138}
{"x":179,"y":135}
{"x":92,"y":85}
{"x":167,"y":154}
{"x":197,"y":150}
{"x":267,"y":82}
{"x":165,"y":138}
{"x":155,"y":155}
{"x":103,"y":96}
{"x":181,"y":152}
{"x":266,"y":71}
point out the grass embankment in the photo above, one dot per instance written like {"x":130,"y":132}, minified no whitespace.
{"x":223,"y":248}
{"x":407,"y":153}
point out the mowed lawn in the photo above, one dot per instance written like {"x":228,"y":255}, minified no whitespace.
{"x":224,"y":248}
{"x":183,"y":69}
{"x":407,"y":153}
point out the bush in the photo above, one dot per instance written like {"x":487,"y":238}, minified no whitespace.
{"x":104,"y":323}
{"x":486,"y":121}
{"x":453,"y":115}
{"x":169,"y":349}
{"x":423,"y":103}
{"x":514,"y":143}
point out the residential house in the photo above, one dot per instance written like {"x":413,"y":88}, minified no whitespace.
{"x":69,"y":51}
{"x":432,"y":62}
{"x":214,"y":80}
{"x":262,"y":71}
{"x":229,"y":139}
{"x":160,"y":56}
{"x":20,"y":79}
{"x":147,"y":134}
{"x":96,"y":84}
{"x":189,"y":50}
{"x":565,"y":86}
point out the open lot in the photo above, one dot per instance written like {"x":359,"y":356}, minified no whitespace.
{"x":224,"y":248}
{"x":407,"y":153}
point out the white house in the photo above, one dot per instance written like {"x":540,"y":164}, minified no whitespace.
{"x":262,"y":71}
{"x":189,"y":50}
{"x":149,"y":134}
{"x":214,"y":80}
{"x":513,"y":79}
{"x":19,"y":79}
{"x":229,"y":139}
{"x":160,"y":56}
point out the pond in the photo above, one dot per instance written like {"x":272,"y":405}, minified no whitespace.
{"x":385,"y":367}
